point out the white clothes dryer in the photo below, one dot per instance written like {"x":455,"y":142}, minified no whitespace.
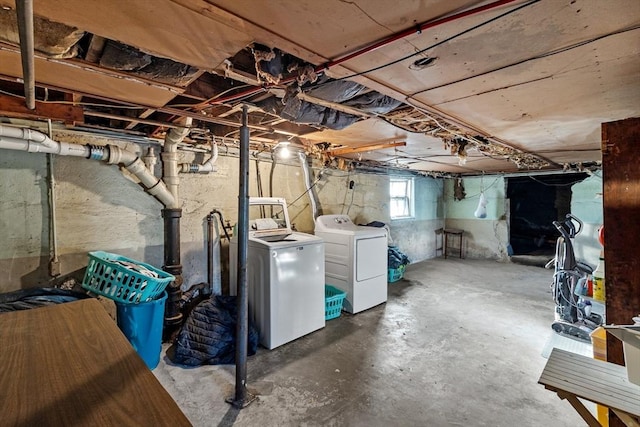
{"x":355,"y":260}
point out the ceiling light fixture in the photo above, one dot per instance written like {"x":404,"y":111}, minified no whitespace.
{"x":283,"y":150}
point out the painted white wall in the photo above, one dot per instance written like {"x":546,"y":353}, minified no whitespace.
{"x":99,"y":208}
{"x":586,"y":204}
{"x":486,"y":237}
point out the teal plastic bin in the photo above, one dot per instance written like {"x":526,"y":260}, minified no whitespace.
{"x":142,"y":325}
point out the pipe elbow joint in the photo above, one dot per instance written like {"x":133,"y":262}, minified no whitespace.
{"x":117,"y":156}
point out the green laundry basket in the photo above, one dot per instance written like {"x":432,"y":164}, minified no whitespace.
{"x":142,"y":325}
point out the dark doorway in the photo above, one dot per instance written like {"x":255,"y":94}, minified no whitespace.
{"x":535,"y":202}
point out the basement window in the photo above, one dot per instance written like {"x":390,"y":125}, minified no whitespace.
{"x":401,"y":198}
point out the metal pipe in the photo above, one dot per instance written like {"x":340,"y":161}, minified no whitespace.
{"x":213,"y":254}
{"x":242,"y":327}
{"x":415,"y":30}
{"x":307,"y":184}
{"x":172,"y":313}
{"x":24,"y":11}
{"x":54,"y":262}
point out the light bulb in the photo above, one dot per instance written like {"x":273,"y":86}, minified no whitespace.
{"x":284,"y":152}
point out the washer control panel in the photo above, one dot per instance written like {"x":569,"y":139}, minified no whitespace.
{"x":334,"y":222}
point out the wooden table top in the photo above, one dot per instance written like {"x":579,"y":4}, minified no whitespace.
{"x":595,"y":380}
{"x":69,"y":364}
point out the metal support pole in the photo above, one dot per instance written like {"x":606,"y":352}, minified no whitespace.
{"x":172,"y":314}
{"x":242,"y":398}
{"x":24,"y":11}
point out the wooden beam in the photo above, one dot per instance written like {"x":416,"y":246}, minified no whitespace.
{"x":579,"y":407}
{"x":14,"y":107}
{"x":370,"y":147}
{"x":146,"y":113}
{"x":129,"y":119}
{"x":621,"y":206}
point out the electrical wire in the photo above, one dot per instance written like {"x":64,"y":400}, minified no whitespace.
{"x":419,"y":52}
{"x":351,"y":202}
{"x":533,"y":58}
{"x":555,"y":185}
{"x":308,"y":189}
{"x":344,"y":199}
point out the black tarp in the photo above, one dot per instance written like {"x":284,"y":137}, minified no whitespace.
{"x":25,"y":299}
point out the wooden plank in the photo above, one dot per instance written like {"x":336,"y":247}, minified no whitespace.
{"x":364,"y":148}
{"x":579,"y":407}
{"x":12,"y":106}
{"x":146,"y":113}
{"x":160,"y":27}
{"x":69,"y":364}
{"x":129,"y":119}
{"x":85,"y":78}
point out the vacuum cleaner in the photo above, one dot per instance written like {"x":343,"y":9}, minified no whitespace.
{"x":573,"y":316}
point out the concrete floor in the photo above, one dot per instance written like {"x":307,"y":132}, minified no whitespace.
{"x":458,"y":343}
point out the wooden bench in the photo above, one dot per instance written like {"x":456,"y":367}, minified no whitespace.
{"x":573,"y":376}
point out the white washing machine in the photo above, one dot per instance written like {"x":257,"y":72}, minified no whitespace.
{"x":285,"y":274}
{"x":355,"y":260}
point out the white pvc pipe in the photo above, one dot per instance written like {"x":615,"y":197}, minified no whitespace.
{"x":206,"y":167}
{"x":170,"y":159}
{"x":27,"y":134}
{"x":12,"y":138}
{"x":61,"y":148}
{"x":153,"y":185}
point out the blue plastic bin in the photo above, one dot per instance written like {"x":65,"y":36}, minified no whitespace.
{"x":142,"y":325}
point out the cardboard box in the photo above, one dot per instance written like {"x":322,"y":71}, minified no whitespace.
{"x":630,"y":337}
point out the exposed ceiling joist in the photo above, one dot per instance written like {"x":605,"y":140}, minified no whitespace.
{"x":15,"y":107}
{"x":364,"y":148}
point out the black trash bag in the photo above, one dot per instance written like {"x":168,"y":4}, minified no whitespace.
{"x":25,"y":299}
{"x":208,"y":337}
{"x":396,"y":258}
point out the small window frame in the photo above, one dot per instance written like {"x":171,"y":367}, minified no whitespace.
{"x":401,"y":204}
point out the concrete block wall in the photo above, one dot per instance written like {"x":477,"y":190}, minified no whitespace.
{"x":487,"y":237}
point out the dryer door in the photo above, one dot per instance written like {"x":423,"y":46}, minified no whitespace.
{"x":371,"y":257}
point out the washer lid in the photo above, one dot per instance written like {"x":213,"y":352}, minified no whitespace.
{"x":268,"y":218}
